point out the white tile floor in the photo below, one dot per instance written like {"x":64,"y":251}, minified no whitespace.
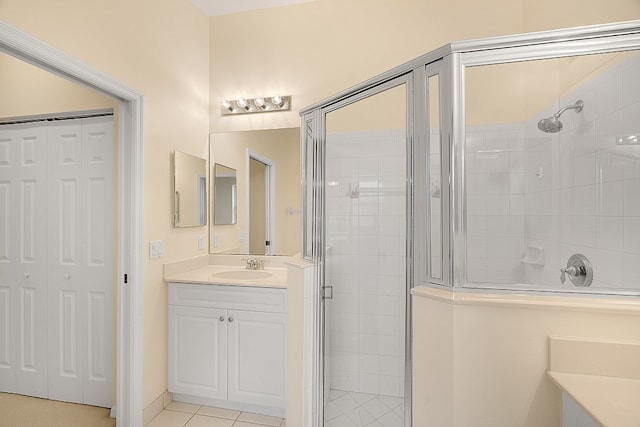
{"x":350,"y":409}
{"x":186,"y":415}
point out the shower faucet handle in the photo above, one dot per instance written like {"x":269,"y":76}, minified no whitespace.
{"x":570,"y":270}
{"x":579,"y":270}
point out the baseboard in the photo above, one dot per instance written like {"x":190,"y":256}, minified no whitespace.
{"x":154,"y":408}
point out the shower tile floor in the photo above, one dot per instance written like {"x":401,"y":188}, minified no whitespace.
{"x":351,"y":409}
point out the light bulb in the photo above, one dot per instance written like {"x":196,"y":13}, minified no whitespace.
{"x":277,"y":100}
{"x":226,"y":105}
{"x":242,"y":103}
{"x":259,"y":103}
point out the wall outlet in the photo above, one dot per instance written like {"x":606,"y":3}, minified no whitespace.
{"x":156,"y":249}
{"x":201,"y":242}
{"x":216,"y":240}
{"x":241,"y":237}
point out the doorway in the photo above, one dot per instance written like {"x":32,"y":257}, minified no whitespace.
{"x":366,"y":282}
{"x":261,"y":202}
{"x":129,"y":214}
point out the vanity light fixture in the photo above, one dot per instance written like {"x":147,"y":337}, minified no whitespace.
{"x":226,"y":105}
{"x":255,"y":105}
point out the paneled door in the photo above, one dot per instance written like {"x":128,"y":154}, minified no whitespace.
{"x":56,"y":264}
{"x":80,"y":261}
{"x":198,"y":351}
{"x":23,"y":260}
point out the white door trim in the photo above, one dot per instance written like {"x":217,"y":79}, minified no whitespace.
{"x":130,"y":184}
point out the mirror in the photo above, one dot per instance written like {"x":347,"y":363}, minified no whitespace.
{"x":189,"y":190}
{"x":224,"y":195}
{"x":267,"y":165}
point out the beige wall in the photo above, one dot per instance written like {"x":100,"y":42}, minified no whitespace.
{"x":27,"y":90}
{"x":314,"y":50}
{"x":497,"y":349}
{"x":161,"y":49}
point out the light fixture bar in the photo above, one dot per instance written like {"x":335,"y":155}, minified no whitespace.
{"x":255,"y":105}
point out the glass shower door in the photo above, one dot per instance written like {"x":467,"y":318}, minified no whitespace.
{"x":366,"y":261}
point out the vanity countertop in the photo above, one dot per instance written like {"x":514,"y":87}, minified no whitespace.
{"x":611,"y":401}
{"x":216,"y":275}
{"x":601,"y":375}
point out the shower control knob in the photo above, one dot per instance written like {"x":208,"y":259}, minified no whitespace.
{"x":579,"y":271}
{"x":570,"y":270}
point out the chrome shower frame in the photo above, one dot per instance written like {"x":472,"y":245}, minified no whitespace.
{"x":450,"y":62}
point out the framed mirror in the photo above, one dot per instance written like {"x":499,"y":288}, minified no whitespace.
{"x":189,"y":190}
{"x":225,"y":193}
{"x":267,"y":166}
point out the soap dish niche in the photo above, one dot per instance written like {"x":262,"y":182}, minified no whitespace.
{"x":533,"y":255}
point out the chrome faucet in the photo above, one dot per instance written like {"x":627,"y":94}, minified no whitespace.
{"x":254,"y":264}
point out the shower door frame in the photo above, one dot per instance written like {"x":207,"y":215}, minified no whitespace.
{"x":556,"y":44}
{"x":455,"y":57}
{"x":407,"y":80}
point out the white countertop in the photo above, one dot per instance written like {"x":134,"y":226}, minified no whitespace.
{"x":612,"y":401}
{"x":206,"y":276}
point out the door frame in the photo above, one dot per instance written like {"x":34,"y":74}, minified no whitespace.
{"x":130,"y":208}
{"x":320,"y":235}
{"x":270,"y":199}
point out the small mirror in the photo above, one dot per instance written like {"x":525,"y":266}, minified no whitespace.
{"x":190,"y":190}
{"x":224,"y":195}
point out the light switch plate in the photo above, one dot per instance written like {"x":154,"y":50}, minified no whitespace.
{"x":201,"y":242}
{"x":156,"y":249}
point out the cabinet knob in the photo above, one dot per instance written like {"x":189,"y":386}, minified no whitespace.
{"x":26,"y":275}
{"x":222,"y":318}
{"x":67,"y":276}
{"x":230,"y":319}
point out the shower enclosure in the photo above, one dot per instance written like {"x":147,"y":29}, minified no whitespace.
{"x":497,"y":165}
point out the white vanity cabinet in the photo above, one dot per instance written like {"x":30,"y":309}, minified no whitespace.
{"x":227,"y":346}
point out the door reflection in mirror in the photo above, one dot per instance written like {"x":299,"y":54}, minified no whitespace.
{"x":190,"y":190}
{"x":225,"y":193}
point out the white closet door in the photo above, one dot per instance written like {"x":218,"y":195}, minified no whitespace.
{"x":81,"y":261}
{"x":8,"y":161}
{"x":24,"y":259}
{"x":65,"y":265}
{"x":98,"y":264}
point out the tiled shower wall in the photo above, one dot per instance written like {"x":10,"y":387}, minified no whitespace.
{"x":495,"y":204}
{"x":587,"y":199}
{"x":534,"y":199}
{"x":366,"y":260}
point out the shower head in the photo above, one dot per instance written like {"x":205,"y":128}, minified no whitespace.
{"x":553,"y":124}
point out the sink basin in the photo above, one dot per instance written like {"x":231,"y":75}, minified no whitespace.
{"x":242,"y":274}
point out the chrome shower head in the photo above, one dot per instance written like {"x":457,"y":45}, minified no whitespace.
{"x":553,"y":124}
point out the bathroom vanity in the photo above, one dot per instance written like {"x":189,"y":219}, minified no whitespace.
{"x":227,"y":341}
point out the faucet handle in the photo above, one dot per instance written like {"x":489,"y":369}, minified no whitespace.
{"x":579,"y":270}
{"x":570,"y":270}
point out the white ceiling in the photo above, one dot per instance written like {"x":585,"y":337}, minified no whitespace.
{"x":226,"y":7}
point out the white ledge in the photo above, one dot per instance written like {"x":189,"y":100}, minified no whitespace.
{"x":546,"y":302}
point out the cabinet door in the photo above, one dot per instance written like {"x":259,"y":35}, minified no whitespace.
{"x":198,"y":351}
{"x":257,"y":357}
